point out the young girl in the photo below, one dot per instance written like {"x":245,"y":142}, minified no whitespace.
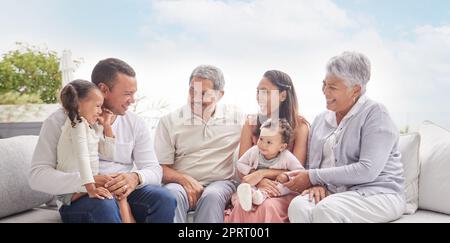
{"x":269,"y":153}
{"x":86,"y":134}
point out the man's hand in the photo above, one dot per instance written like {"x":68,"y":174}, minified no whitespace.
{"x":193,"y":190}
{"x":300,"y":182}
{"x":101,"y":180}
{"x":122,"y":184}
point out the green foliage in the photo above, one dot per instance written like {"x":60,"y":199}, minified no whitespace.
{"x":15,"y":98}
{"x":32,"y":72}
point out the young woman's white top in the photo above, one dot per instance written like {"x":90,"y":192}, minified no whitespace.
{"x":79,"y":148}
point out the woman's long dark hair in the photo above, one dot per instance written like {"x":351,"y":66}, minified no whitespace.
{"x":71,"y":94}
{"x":289,"y":108}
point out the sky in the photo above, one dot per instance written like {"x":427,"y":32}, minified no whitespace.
{"x":407,"y":41}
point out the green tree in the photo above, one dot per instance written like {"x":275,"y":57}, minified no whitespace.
{"x":32,"y":72}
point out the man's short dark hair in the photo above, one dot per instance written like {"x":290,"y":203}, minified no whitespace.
{"x":106,"y":71}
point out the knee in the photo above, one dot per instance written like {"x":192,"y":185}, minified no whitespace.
{"x":324,"y":213}
{"x":177,"y":192}
{"x":104,"y":205}
{"x":299,"y":210}
{"x":180,"y":198}
{"x":213,"y":199}
{"x":165,"y":197}
{"x":105,"y":210}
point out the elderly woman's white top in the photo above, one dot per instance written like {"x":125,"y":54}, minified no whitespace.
{"x":328,"y":161}
{"x":367,"y":159}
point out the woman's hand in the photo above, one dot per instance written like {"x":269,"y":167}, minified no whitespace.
{"x":318,"y":193}
{"x":282,"y":178}
{"x":253,"y":178}
{"x":300,"y":182}
{"x":270,"y":187}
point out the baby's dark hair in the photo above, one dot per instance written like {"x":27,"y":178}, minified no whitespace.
{"x":71,"y":94}
{"x":286,"y":131}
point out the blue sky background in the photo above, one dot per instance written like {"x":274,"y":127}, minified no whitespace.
{"x":408,"y":42}
{"x":395,"y":17}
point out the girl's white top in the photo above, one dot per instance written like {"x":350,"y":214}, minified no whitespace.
{"x":79,"y":149}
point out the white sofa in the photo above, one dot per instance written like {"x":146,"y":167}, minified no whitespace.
{"x":426,"y":156}
{"x":426,"y":160}
{"x":19,"y":203}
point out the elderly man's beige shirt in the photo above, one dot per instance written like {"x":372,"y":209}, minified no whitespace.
{"x":201,"y":150}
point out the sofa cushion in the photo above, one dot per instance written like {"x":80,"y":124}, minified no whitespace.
{"x":409,"y":147}
{"x":422,"y":216}
{"x":15,"y":193}
{"x":35,"y":215}
{"x":434,"y":179}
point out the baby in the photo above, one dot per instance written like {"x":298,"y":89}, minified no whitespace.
{"x":269,"y":153}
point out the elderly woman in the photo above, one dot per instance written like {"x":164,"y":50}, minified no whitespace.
{"x":354,"y":170}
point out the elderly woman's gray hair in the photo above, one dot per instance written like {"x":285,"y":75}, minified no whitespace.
{"x":352,"y":68}
{"x":211,"y":73}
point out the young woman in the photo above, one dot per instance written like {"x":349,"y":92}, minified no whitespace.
{"x":277,"y":100}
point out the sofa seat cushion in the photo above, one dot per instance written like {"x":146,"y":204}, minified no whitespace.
{"x":423,"y":216}
{"x":15,"y":192}
{"x":35,"y":215}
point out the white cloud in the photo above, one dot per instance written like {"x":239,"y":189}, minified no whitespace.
{"x":246,"y":38}
{"x":423,"y":75}
{"x":298,"y":37}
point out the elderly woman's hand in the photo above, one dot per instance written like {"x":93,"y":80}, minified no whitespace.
{"x":300,"y":182}
{"x":318,"y":193}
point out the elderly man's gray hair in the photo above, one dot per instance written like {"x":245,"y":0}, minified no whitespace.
{"x":352,"y":67}
{"x":209,"y":72}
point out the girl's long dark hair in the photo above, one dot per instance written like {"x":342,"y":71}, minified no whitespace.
{"x":289,"y":108}
{"x":71,"y":94}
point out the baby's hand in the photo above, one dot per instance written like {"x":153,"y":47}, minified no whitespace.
{"x":282,"y":178}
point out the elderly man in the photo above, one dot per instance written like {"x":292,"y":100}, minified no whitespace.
{"x":134,"y":171}
{"x":195,"y":146}
{"x":355,"y":173}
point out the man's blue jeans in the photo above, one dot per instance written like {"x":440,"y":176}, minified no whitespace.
{"x":150,"y":204}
